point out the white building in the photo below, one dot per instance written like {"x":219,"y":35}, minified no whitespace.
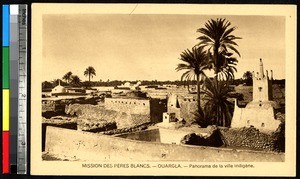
{"x":260,"y":112}
{"x":58,"y":89}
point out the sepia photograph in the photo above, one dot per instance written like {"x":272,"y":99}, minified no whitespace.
{"x":162,"y":89}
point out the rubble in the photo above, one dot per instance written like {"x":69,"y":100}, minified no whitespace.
{"x":211,"y":138}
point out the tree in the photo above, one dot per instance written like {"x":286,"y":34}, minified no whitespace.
{"x":247,"y":77}
{"x":67,"y":77}
{"x":217,"y":38}
{"x":218,"y":110}
{"x":46,"y":85}
{"x":55,"y":82}
{"x":90,"y":72}
{"x":195,"y":63}
{"x":227,"y":70}
{"x":75,"y":80}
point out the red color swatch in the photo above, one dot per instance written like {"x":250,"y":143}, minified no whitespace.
{"x":5,"y":152}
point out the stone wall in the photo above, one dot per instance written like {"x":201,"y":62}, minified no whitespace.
{"x":252,"y":138}
{"x":97,"y":147}
{"x":48,"y":106}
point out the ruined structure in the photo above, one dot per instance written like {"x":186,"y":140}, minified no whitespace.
{"x":168,"y":117}
{"x":183,"y":107}
{"x":259,"y":113}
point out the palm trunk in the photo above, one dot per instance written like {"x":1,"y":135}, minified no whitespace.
{"x":198,"y":93}
{"x":216,"y":61}
{"x":188,"y":86}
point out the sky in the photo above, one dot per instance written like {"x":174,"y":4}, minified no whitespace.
{"x":148,"y":47}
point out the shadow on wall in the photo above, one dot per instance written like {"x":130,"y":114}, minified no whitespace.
{"x":72,"y":125}
{"x":157,"y":108}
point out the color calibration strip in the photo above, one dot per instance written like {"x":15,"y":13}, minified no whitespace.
{"x":22,"y":90}
{"x":5,"y":89}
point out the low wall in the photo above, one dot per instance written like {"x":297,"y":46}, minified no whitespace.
{"x":97,"y":147}
{"x":161,"y":135}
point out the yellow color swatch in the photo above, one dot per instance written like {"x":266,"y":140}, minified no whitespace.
{"x":5,"y":112}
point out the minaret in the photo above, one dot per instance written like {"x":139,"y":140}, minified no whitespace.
{"x":261,"y":69}
{"x":261,"y":84}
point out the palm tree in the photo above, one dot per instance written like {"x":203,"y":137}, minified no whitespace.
{"x":217,"y":38}
{"x":67,"y":77}
{"x":248,"y":78}
{"x":195,"y":63}
{"x":75,"y":80}
{"x":227,"y":70}
{"x":90,"y":72}
{"x":217,"y":108}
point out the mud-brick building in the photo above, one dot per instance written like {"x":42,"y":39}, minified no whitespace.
{"x":150,"y":108}
{"x":184,"y":107}
{"x":260,"y":112}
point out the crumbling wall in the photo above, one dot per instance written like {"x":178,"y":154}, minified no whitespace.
{"x":252,"y":138}
{"x":48,"y":106}
{"x":52,"y":108}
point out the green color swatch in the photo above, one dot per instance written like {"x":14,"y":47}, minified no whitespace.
{"x":5,"y":67}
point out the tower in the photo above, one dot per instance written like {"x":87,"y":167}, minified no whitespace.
{"x":262,"y":86}
{"x":260,"y":112}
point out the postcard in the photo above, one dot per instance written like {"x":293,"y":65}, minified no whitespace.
{"x":163,"y":89}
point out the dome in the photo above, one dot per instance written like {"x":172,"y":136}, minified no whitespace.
{"x":127,"y":84}
{"x":59,"y":89}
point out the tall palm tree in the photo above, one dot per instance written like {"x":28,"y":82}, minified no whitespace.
{"x":67,"y":77}
{"x":217,"y":38}
{"x":195,"y":63}
{"x":90,"y":72}
{"x":217,"y":108}
{"x":75,"y":80}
